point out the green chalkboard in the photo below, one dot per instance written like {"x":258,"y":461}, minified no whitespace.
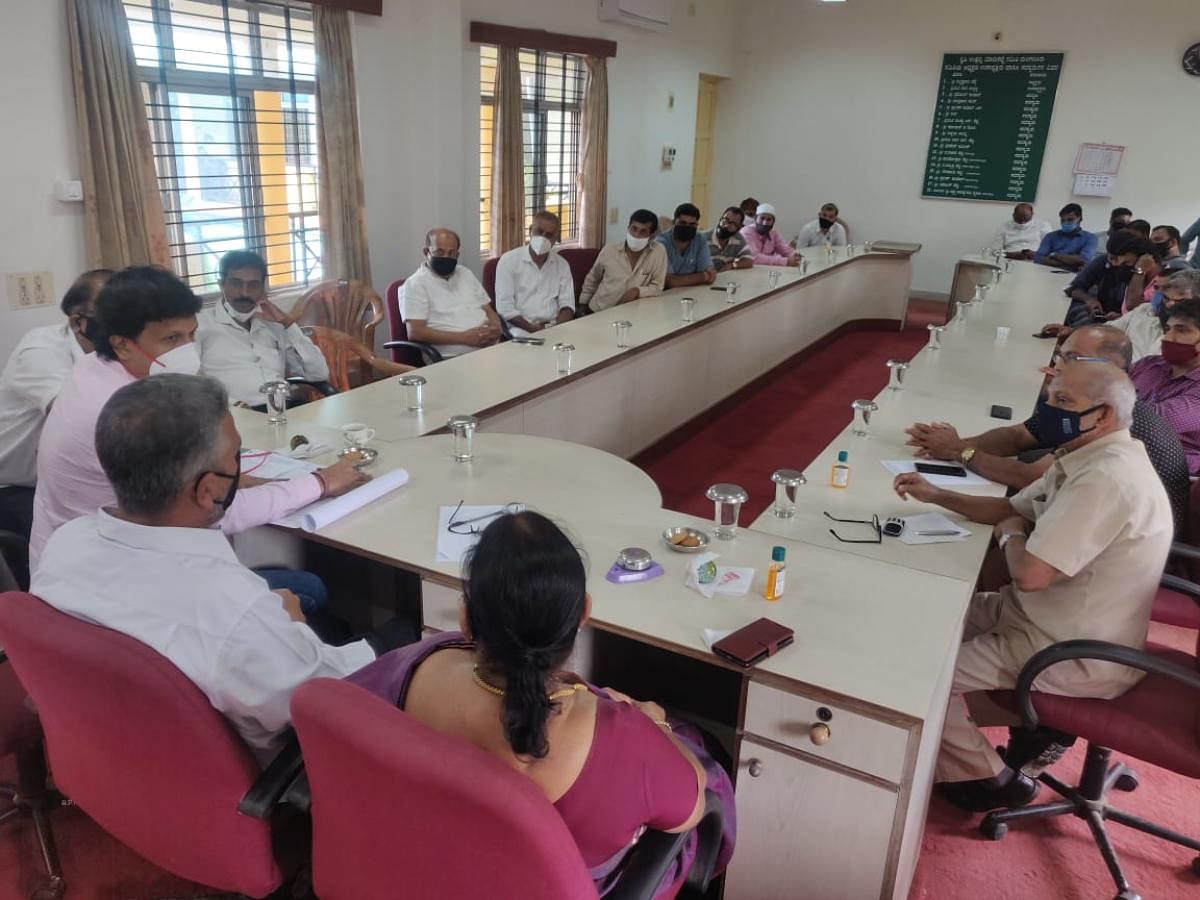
{"x":989,"y":126}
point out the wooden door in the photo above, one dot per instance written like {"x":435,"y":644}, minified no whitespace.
{"x":706,"y":109}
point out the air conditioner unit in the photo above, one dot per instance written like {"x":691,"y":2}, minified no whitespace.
{"x":652,"y":14}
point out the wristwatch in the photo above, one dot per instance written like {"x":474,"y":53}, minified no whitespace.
{"x":1138,"y":270}
{"x":1006,"y":536}
{"x":968,"y":454}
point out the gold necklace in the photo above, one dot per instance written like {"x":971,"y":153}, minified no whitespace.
{"x":560,"y":694}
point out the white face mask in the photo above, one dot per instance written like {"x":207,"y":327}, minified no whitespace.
{"x":182,"y":360}
{"x":240,"y":317}
{"x":636,"y":244}
{"x":540,"y":245}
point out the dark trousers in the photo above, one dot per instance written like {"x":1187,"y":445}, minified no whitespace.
{"x":16,"y":515}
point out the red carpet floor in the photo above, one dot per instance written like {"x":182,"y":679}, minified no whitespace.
{"x":782,"y":421}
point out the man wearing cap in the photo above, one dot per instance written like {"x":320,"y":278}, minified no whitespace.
{"x":766,"y":244}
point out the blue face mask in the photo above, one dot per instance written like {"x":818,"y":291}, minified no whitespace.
{"x":1069,"y":227}
{"x":1057,"y":426}
{"x":1156,"y":300}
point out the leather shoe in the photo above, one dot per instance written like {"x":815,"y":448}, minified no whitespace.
{"x":981,"y":796}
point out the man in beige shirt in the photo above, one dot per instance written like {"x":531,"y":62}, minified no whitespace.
{"x":1085,"y":546}
{"x":635,"y":267}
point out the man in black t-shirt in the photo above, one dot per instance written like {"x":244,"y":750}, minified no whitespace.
{"x":1017,"y":456}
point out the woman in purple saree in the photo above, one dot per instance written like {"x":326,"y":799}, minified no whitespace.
{"x":612,"y":766}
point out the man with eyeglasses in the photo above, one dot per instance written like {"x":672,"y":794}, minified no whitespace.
{"x":32,"y":378}
{"x":1018,"y":455}
{"x":1085,"y":546}
{"x":444,"y":304}
{"x":726,"y":245}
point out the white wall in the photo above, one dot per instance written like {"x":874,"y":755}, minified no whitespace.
{"x":37,"y":232}
{"x":840,"y":102}
{"x":418,"y":83}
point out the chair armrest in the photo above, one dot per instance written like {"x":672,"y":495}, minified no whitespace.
{"x":299,"y":795}
{"x":324,"y":388}
{"x":1187,"y":551}
{"x":1098,"y":650}
{"x":1180,"y":586}
{"x":429,"y":353}
{"x":654,"y":854}
{"x":264,"y":795}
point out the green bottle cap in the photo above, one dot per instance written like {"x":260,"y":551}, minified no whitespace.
{"x":843,"y":456}
{"x":777,"y":554}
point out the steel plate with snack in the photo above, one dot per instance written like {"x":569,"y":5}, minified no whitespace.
{"x":361,"y":457}
{"x":682,"y":539}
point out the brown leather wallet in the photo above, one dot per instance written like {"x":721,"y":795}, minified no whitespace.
{"x":754,"y":643}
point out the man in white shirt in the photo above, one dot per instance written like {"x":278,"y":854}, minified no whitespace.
{"x":444,"y":304}
{"x":1021,"y":235}
{"x":1144,"y":323}
{"x":245,"y":340}
{"x":823,"y":231}
{"x":31,"y":380}
{"x":534,"y":288}
{"x":155,"y":567}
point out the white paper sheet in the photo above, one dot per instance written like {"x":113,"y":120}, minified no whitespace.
{"x":266,"y":464}
{"x":712,"y":635}
{"x":317,"y":515}
{"x":451,"y":545}
{"x":902,"y":466}
{"x":932,"y":521}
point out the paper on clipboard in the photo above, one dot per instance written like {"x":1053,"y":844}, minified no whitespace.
{"x":904,"y":466}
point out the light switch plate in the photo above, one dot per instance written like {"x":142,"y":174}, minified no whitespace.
{"x":29,"y":289}
{"x":613,"y":215}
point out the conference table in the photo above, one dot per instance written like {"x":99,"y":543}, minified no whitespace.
{"x":876,"y":625}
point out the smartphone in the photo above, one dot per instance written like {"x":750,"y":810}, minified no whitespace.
{"x":935,"y":469}
{"x":1001,"y":412}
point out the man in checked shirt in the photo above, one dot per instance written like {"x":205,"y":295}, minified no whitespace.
{"x":1170,"y":382}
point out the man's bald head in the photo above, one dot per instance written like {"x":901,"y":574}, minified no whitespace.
{"x":1102,"y":341}
{"x":443,"y":238}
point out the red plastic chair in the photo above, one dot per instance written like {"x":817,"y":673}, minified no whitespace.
{"x":488,"y":279}
{"x":581,"y":260}
{"x":141,"y":750}
{"x":405,"y":351}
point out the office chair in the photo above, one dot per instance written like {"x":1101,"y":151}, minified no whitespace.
{"x":1158,"y":720}
{"x":404,"y":351}
{"x":351,"y":363}
{"x":401,"y":810}
{"x":581,"y":260}
{"x":141,"y":750}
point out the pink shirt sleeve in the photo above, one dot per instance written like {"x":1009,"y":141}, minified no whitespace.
{"x":265,"y":503}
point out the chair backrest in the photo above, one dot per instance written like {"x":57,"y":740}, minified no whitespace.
{"x":581,"y":260}
{"x":488,"y":280}
{"x":349,"y":306}
{"x":396,"y":320}
{"x":351,"y":363}
{"x":139,"y":748}
{"x":398,"y":805}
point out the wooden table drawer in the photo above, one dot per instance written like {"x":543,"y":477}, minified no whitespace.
{"x":857,"y":741}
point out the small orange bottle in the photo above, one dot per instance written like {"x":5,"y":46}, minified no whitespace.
{"x":776,"y":574}
{"x":839,"y":477}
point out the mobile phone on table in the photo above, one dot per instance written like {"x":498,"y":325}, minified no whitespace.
{"x":1001,"y":412}
{"x":936,"y":469}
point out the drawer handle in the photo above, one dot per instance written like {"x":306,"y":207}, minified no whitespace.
{"x":755,"y":768}
{"x":820,"y":734}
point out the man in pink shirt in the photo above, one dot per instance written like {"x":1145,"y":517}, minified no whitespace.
{"x":767,"y":244}
{"x":147,"y":320}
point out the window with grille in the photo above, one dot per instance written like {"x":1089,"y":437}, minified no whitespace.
{"x":551,"y":96}
{"x":230,"y":91}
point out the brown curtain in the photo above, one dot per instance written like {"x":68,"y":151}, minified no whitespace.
{"x":121,"y":200}
{"x":508,"y":155}
{"x":344,"y":251}
{"x":593,"y":156}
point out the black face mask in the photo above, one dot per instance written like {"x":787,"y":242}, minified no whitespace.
{"x":684,"y":232}
{"x":1162,"y":249}
{"x":762,"y":229}
{"x":826,"y":224}
{"x":443,"y":265}
{"x":234,"y":480}
{"x":1114,"y":227}
{"x":725,"y":233}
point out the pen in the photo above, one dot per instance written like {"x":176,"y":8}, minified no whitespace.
{"x":936,"y":533}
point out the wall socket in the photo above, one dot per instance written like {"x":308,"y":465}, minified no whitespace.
{"x":30,"y":289}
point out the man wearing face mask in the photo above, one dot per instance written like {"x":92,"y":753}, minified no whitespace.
{"x":534,"y":287}
{"x":245,"y":340}
{"x":1170,"y":382}
{"x":726,"y":245}
{"x":1099,"y":290}
{"x":152,"y":564}
{"x":1145,"y":323}
{"x":688,"y":260}
{"x":1070,"y":246}
{"x":628,"y":270}
{"x":32,"y":378}
{"x":1085,"y":545}
{"x":444,"y":304}
{"x":147,"y":321}
{"x":824,"y":231}
{"x":1018,"y":455}
{"x":767,"y":245}
{"x":1021,"y":235}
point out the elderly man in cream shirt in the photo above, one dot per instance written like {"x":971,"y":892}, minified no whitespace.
{"x":1085,"y":546}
